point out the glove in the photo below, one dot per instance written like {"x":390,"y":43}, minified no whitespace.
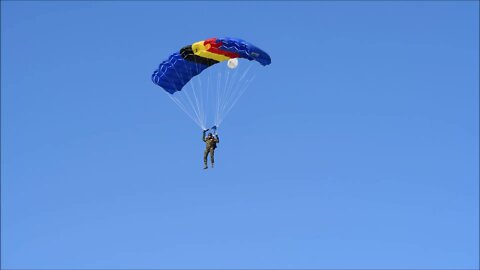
{"x":205,"y":130}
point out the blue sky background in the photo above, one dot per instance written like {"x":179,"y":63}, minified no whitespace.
{"x":357,"y":147}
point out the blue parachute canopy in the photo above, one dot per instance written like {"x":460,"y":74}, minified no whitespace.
{"x":175,"y":72}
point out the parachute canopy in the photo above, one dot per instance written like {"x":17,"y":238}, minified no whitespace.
{"x":175,"y":72}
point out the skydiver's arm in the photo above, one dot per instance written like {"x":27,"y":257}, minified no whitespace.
{"x":203,"y":135}
{"x":217,"y":140}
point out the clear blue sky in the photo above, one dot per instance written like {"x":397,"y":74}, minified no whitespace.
{"x":357,"y":147}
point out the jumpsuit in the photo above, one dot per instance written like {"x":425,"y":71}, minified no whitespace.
{"x":211,"y":144}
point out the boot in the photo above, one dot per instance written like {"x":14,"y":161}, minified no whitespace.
{"x":212,"y":165}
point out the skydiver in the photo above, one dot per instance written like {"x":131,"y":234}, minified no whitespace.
{"x":211,"y":143}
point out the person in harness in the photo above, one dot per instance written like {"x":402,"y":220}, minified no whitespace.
{"x":211,"y":143}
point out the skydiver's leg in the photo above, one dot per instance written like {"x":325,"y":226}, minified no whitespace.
{"x":212,"y":156}
{"x":205,"y":155}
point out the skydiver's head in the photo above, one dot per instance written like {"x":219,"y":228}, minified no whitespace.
{"x":210,"y":135}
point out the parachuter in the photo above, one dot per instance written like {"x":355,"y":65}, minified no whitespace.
{"x":186,"y":77}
